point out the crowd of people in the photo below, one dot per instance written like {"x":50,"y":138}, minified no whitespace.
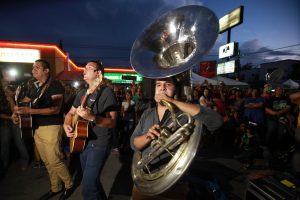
{"x":258,"y":122}
{"x":254,"y":123}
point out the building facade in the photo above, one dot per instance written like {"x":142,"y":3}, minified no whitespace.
{"x":19,"y":57}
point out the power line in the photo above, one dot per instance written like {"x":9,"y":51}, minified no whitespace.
{"x":270,"y":50}
{"x":106,"y":47}
{"x":111,"y":47}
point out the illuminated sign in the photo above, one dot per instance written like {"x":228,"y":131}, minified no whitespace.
{"x":133,"y":78}
{"x":42,"y":46}
{"x":232,"y":19}
{"x":226,"y":67}
{"x":19,"y":55}
{"x":123,"y":78}
{"x":228,"y":50}
{"x":208,"y":68}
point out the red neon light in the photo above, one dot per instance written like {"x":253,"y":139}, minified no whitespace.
{"x":50,"y":46}
{"x":43,"y":46}
{"x":119,"y":70}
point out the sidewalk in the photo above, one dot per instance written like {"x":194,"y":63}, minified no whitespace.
{"x":117,"y":182}
{"x":33,"y":183}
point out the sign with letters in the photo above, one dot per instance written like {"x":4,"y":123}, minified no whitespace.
{"x":228,"y":50}
{"x":19,"y":55}
{"x":123,"y":77}
{"x":232,"y":19}
{"x":226,"y":67}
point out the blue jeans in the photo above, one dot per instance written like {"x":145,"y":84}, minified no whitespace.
{"x":8,"y":133}
{"x":92,"y":161}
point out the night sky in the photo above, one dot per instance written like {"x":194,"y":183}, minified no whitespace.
{"x":106,"y":30}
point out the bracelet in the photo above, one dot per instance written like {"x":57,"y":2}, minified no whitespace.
{"x":93,"y":120}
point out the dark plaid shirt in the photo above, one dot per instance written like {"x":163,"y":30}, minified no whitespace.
{"x":4,"y":105}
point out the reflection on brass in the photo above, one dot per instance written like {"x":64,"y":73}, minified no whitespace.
{"x":175,"y":54}
{"x":172,"y":44}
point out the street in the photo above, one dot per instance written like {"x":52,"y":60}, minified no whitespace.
{"x":30,"y":184}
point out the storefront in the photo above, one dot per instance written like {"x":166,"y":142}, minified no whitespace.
{"x":16,"y":61}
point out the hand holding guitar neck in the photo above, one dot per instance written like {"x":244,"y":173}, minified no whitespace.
{"x":15,"y":117}
{"x":81,"y":120}
{"x":84,"y":111}
{"x":22,"y":111}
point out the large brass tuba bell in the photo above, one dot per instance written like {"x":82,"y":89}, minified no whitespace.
{"x":172,"y":44}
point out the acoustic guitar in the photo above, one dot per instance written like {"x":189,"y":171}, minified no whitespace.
{"x":25,"y":120}
{"x":81,"y":126}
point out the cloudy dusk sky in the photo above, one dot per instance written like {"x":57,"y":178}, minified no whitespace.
{"x":92,"y":29}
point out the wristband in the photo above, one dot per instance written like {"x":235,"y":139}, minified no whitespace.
{"x":93,"y":121}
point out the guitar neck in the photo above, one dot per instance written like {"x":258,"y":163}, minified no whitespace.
{"x":76,"y":116}
{"x":74,"y":120}
{"x":85,"y":99}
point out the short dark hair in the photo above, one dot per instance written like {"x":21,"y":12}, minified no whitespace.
{"x":175,"y":81}
{"x":45,"y":63}
{"x":99,"y":65}
{"x":172,"y":78}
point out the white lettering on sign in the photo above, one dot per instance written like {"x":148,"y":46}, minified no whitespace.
{"x":232,"y":19}
{"x":227,"y":50}
{"x":226,"y":67}
{"x":19,"y":55}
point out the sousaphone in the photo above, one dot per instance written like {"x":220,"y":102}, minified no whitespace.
{"x":171,"y":45}
{"x":275,"y":76}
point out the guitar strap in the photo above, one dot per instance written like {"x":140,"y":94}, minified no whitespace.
{"x":45,"y":86}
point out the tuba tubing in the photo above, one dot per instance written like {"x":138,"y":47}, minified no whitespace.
{"x":170,"y":143}
{"x":154,"y":183}
{"x":171,"y":45}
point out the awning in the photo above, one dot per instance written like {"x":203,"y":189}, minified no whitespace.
{"x":229,"y":81}
{"x":198,"y":80}
{"x":291,"y":84}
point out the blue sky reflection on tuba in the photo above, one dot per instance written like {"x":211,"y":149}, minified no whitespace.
{"x":174,"y":42}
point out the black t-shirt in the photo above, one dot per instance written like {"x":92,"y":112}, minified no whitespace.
{"x":45,"y":101}
{"x":4,"y":107}
{"x":100,"y":102}
{"x":277,"y":104}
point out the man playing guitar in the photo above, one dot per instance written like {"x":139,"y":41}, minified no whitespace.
{"x":100,"y":110}
{"x":47,"y":117}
